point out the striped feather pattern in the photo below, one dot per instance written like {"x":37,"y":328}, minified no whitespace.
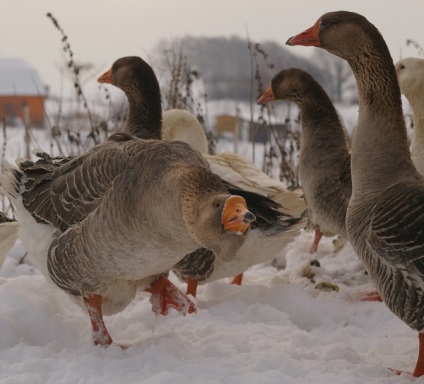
{"x":119,"y":210}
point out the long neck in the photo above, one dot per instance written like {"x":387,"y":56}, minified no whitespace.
{"x":380,"y":153}
{"x":144,"y":116}
{"x":323,"y":135}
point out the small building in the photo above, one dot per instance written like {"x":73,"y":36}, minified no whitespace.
{"x":245,"y":130}
{"x":22,"y":92}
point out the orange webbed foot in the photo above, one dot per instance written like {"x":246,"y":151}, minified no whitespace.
{"x":237,"y":280}
{"x":166,"y":295}
{"x":191,"y":286}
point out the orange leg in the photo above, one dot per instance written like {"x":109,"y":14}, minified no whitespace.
{"x":373,"y":296}
{"x":314,"y":246}
{"x":237,"y":279}
{"x":191,"y":286}
{"x":100,"y":334}
{"x":419,"y":367}
{"x":166,"y":295}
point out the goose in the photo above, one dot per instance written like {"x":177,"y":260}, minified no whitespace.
{"x":410,"y":72}
{"x":324,"y":158}
{"x":275,"y":226}
{"x":385,"y":216}
{"x":180,"y":124}
{"x":9,"y":230}
{"x":114,"y":219}
{"x":270,"y":233}
{"x":138,"y":81}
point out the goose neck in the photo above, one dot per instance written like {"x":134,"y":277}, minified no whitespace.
{"x":380,"y":153}
{"x":143,"y":119}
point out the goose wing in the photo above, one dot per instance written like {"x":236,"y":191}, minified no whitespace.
{"x":397,"y":227}
{"x":63,"y":192}
{"x":244,"y":174}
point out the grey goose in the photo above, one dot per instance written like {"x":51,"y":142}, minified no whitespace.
{"x":277,"y":211}
{"x":385,"y":216}
{"x":116,"y":219}
{"x":324,"y":158}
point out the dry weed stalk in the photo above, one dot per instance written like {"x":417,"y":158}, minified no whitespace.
{"x":280,"y":147}
{"x":74,"y":72}
{"x":180,"y":93}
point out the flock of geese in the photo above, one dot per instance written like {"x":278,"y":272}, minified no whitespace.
{"x":152,"y":199}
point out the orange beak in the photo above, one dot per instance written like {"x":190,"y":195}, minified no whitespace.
{"x":267,"y":96}
{"x":106,"y":77}
{"x":235,"y":216}
{"x":307,"y":38}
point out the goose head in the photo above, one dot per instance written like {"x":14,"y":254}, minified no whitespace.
{"x":128,"y":72}
{"x":337,"y":32}
{"x":410,"y":73}
{"x":217,"y":220}
{"x":288,"y":84}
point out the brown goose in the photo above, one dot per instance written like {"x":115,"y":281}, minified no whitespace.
{"x":138,"y":81}
{"x":113,"y":219}
{"x":324,"y":159}
{"x":385,"y":217}
{"x":270,"y":233}
{"x":410,"y":72}
{"x":8,"y":234}
{"x":104,"y":223}
{"x":274,"y":226}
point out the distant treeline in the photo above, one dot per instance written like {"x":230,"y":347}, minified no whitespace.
{"x":232,"y":68}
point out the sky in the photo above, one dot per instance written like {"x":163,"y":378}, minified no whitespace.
{"x":100,"y":31}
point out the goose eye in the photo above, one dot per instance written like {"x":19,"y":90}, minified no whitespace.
{"x":217,"y":204}
{"x":328,"y":23}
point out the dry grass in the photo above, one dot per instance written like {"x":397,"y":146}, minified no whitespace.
{"x":281,"y":148}
{"x":75,"y":131}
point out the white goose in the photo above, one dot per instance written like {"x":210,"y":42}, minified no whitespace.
{"x":174,"y":119}
{"x":269,"y":235}
{"x":104,"y":223}
{"x":410,"y":72}
{"x":385,"y":216}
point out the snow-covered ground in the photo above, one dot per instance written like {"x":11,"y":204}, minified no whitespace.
{"x":300,"y":324}
{"x":278,"y":327}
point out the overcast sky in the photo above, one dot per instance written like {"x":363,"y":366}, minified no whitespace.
{"x":101,"y":31}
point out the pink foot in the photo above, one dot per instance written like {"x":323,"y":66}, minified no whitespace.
{"x":314,"y":246}
{"x":191,"y":286}
{"x":99,"y":332}
{"x":372,"y":296}
{"x":237,"y":280}
{"x":166,"y":295}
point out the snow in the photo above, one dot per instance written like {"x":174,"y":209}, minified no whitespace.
{"x":300,"y":324}
{"x":275,"y":328}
